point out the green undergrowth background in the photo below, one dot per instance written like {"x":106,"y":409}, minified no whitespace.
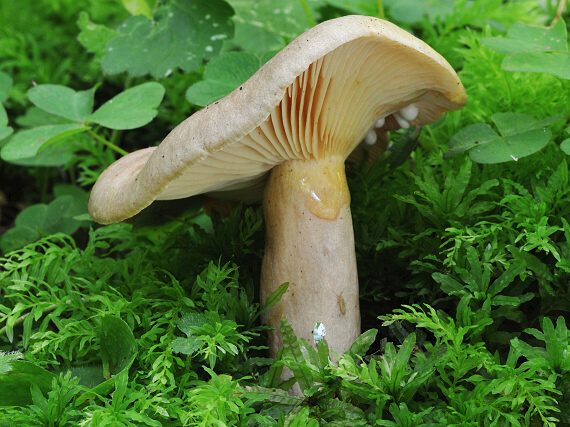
{"x":463,"y":248}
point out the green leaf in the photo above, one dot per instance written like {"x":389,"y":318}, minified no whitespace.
{"x":191,"y":320}
{"x":455,"y":186}
{"x":557,"y":341}
{"x":118,"y":345}
{"x":300,"y":418}
{"x":526,"y":38}
{"x":323,"y":352}
{"x":41,"y":219}
{"x":565,"y":145}
{"x":63,"y":101}
{"x":89,"y":376}
{"x":19,"y":378}
{"x":527,"y":350}
{"x":362,"y":344}
{"x":534,"y":49}
{"x":133,"y":108}
{"x":3,"y":118}
{"x":506,"y":278}
{"x":32,"y":216}
{"x":94,"y":37}
{"x":36,"y":117}
{"x":222,"y":75}
{"x":533,"y":263}
{"x":118,"y":351}
{"x":401,"y":360}
{"x":5,"y":130}
{"x":555,"y":63}
{"x":286,"y":18}
{"x":181,"y":34}
{"x":17,"y":237}
{"x":6,"y":358}
{"x":566,"y":227}
{"x":6,"y":83}
{"x":401,"y":149}
{"x":79,"y":198}
{"x":291,"y":348}
{"x":357,"y":7}
{"x":137,"y":7}
{"x":186,"y":345}
{"x":411,"y":11}
{"x":53,"y":155}
{"x":521,"y":136}
{"x":468,"y":138}
{"x":58,"y":216}
{"x":256,"y":40}
{"x":309,"y":354}
{"x":273,"y":298}
{"x":407,"y":11}
{"x":27,"y":143}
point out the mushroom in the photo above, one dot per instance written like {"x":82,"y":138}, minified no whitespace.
{"x":282,"y":137}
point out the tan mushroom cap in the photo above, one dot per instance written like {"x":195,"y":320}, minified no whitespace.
{"x":318,"y":97}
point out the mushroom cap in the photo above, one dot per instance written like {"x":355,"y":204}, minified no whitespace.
{"x":318,"y":97}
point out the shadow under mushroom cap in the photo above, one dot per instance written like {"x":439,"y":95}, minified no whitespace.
{"x":316,"y":98}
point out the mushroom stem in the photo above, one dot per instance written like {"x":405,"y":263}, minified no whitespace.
{"x":310,"y":244}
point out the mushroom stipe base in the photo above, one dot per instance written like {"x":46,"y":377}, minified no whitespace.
{"x":310,"y":244}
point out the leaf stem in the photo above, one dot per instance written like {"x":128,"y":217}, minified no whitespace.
{"x":116,"y":134}
{"x":381,"y":13}
{"x":559,"y":12}
{"x":107,"y":143}
{"x":23,"y":317}
{"x":308,"y":13}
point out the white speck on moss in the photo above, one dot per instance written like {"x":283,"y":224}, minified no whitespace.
{"x":319,"y":332}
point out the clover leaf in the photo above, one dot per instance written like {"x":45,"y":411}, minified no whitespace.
{"x":565,"y":145}
{"x":63,"y":101}
{"x":520,"y":136}
{"x":534,"y":49}
{"x":181,"y":34}
{"x":27,"y":143}
{"x":222,"y":75}
{"x":94,"y":37}
{"x":43,"y":219}
{"x":5,"y":86}
{"x":133,"y":108}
